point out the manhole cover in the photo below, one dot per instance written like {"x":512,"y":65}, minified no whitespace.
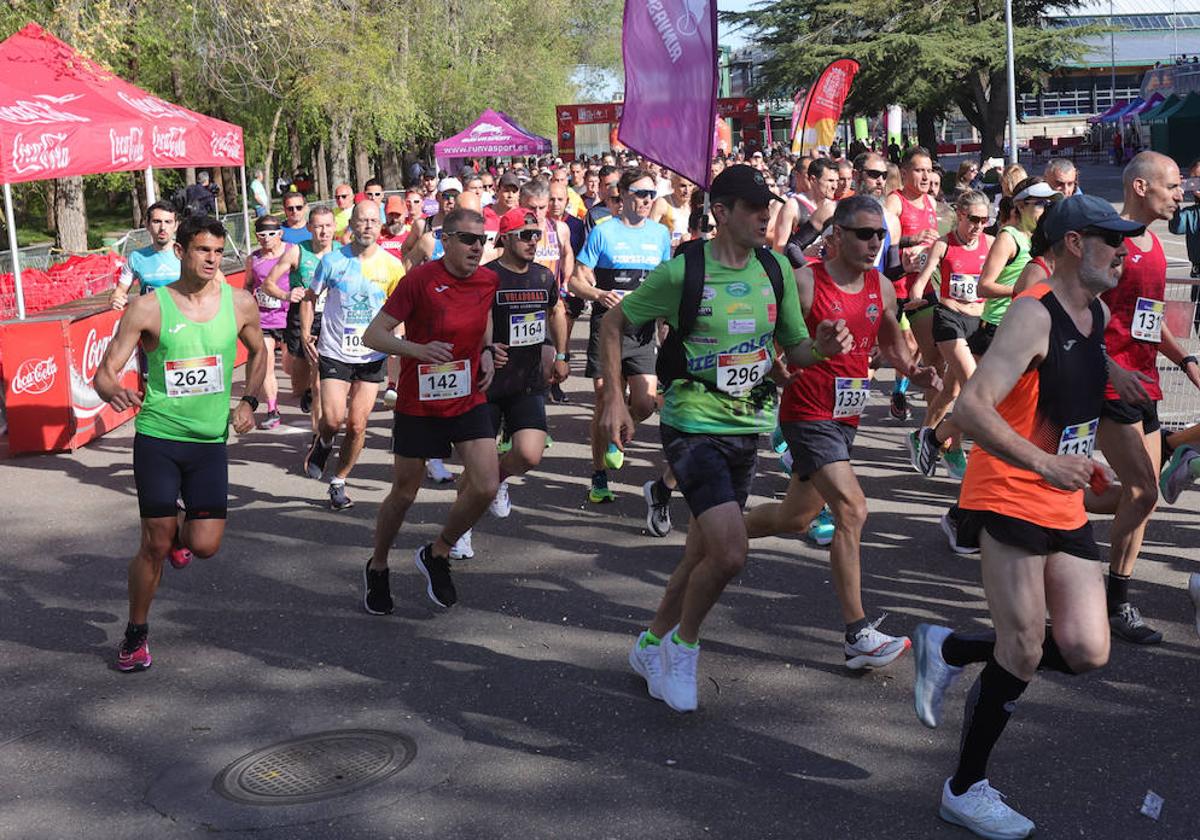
{"x":314,"y":767}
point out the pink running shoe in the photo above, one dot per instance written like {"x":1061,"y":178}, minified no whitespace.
{"x":179,"y":556}
{"x":137,"y":659}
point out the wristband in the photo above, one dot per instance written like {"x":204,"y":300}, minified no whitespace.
{"x":1187,"y":360}
{"x":489,"y":349}
{"x":251,"y":401}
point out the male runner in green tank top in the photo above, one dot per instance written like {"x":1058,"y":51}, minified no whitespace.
{"x":189,"y":331}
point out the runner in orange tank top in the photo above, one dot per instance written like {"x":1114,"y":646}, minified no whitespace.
{"x":1032,"y":408}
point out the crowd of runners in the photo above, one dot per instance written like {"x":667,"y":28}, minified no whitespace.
{"x":1029,"y":315}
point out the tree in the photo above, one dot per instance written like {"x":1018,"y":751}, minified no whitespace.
{"x":926,"y":55}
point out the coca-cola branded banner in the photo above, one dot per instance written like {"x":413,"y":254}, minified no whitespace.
{"x":669,"y":48}
{"x":61,"y":114}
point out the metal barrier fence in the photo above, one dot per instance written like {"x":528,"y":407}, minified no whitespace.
{"x":1180,"y":406}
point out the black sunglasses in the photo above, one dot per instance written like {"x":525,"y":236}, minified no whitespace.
{"x":528,"y":235}
{"x":343,"y":195}
{"x":875,"y":173}
{"x":449,"y":194}
{"x":1112,"y":238}
{"x":644,"y":193}
{"x":977,"y":220}
{"x":468,"y":239}
{"x":866,"y":234}
{"x":1037,"y":202}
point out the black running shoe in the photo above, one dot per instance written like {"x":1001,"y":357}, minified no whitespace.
{"x":1127,"y":623}
{"x":318,"y":455}
{"x":558,"y":395}
{"x":377,"y":594}
{"x":439,"y":585}
{"x":338,"y":500}
{"x":923,"y":451}
{"x":306,"y":401}
{"x":899,"y":407}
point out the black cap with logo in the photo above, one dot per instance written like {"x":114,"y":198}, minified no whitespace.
{"x":744,"y":182}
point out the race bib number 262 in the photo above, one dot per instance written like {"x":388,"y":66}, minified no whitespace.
{"x":194,"y":377}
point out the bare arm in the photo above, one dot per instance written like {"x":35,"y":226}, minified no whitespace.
{"x":1021,"y":339}
{"x":559,"y":337}
{"x":583,"y":283}
{"x":615,"y":419}
{"x":414,"y":237}
{"x":999,"y":255}
{"x":139,"y":317}
{"x":250,"y":334}
{"x":784,"y":223}
{"x":289,"y":262}
{"x":894,"y":346}
{"x":1031,"y":275}
{"x":568,"y":253}
{"x":831,"y":337}
{"x":380,"y":336}
{"x":916,"y":291}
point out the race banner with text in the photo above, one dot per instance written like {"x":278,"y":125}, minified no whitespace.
{"x":669,"y":48}
{"x":818,"y":125}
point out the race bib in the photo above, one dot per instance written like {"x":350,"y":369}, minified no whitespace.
{"x":265,"y":301}
{"x":319,"y":306}
{"x":194,"y":377}
{"x":352,"y":341}
{"x":913,"y":258}
{"x":1147,"y":320}
{"x":964,"y":287}
{"x":850,"y":396}
{"x":1079,"y":439}
{"x":527,"y":329}
{"x":738,"y":373}
{"x":446,"y":381}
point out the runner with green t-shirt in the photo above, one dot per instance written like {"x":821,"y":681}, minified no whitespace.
{"x":714,"y":411}
{"x":189,"y":331}
{"x":300,"y":264}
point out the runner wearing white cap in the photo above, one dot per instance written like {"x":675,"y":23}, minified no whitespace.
{"x":424,"y":242}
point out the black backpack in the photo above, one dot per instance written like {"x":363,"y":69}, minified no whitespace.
{"x":672,"y":361}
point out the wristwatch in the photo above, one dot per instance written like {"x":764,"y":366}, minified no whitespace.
{"x":251,"y":401}
{"x":1187,"y":360}
{"x":562,"y":357}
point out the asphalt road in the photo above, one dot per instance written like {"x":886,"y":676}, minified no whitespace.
{"x":526,"y":718}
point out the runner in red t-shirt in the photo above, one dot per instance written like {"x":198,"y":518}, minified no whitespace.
{"x":446,"y":366}
{"x":1135,"y":335}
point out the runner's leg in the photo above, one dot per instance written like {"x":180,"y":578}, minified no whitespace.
{"x":837,"y":485}
{"x":362,"y":400}
{"x":481,"y":477}
{"x":406,"y":482}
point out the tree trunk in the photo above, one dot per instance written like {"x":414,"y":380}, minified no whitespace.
{"x":268,"y":180}
{"x":72,"y":215}
{"x":293,"y":132}
{"x":391,"y":167}
{"x":339,"y":141}
{"x":995,"y":116}
{"x":362,"y":164}
{"x":138,"y":196}
{"x":51,"y":213}
{"x":927,"y":131}
{"x":231,"y":190}
{"x":320,"y":173}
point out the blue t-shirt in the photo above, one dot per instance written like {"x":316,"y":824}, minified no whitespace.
{"x":356,"y":288}
{"x":296,"y":235}
{"x":151,"y":268}
{"x":616,"y":245}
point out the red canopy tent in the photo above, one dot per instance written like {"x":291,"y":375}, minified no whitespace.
{"x":61,"y":114}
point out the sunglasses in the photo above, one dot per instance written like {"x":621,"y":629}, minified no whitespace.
{"x":977,"y":220}
{"x":375,"y":194}
{"x":343,"y":195}
{"x":866,"y":234}
{"x":269,"y":232}
{"x":527,"y":235}
{"x":1112,"y":238}
{"x":1037,"y":202}
{"x":875,"y":173}
{"x":644,"y":194}
{"x":292,"y":208}
{"x":451,"y":194}
{"x":468,"y":239}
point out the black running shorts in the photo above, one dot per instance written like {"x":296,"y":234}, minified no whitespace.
{"x":1036,"y":539}
{"x":951,"y":325}
{"x":710,"y":469}
{"x":434,"y":437}
{"x":166,"y":470}
{"x":1127,"y":414}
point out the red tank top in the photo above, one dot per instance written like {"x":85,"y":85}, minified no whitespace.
{"x":914,"y":218}
{"x":960,"y":269}
{"x":1136,"y":314}
{"x":836,"y":389}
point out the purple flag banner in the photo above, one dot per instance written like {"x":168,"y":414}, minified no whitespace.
{"x":669,"y":47}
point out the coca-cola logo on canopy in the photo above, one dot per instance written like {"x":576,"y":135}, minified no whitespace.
{"x":154,"y":107}
{"x":169,"y":142}
{"x":226,"y":145}
{"x":35,"y":376}
{"x":48,"y":153}
{"x":127,"y":147}
{"x":31,"y":112}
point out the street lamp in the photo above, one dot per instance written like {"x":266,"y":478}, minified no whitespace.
{"x":1012,"y":83}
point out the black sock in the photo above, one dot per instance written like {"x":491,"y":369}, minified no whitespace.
{"x":959,"y":649}
{"x":1052,"y":658}
{"x":660,"y":492}
{"x":600,"y":475}
{"x":1167,"y":449}
{"x":1118,"y":590}
{"x":136,"y":632}
{"x":990,"y":704}
{"x":853,"y":627}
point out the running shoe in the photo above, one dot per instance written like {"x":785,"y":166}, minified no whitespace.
{"x":778,"y":443}
{"x":133,"y":654}
{"x":439,"y":585}
{"x":647,"y":663}
{"x":501,"y":505}
{"x":179,"y":555}
{"x":1178,"y":473}
{"x":338,"y":500}
{"x":935,"y":676}
{"x":950,"y":528}
{"x":377,"y":592}
{"x":678,"y":684}
{"x":437,"y":472}
{"x":981,"y":809}
{"x":1194,"y":591}
{"x":923,"y":451}
{"x":822,"y":528}
{"x":389,"y":398}
{"x":1127,"y":623}
{"x":504,"y":446}
{"x":271,"y":421}
{"x":786,"y":461}
{"x":614,"y":457}
{"x":558,"y":395}
{"x":658,"y":511}
{"x":599,"y":492}
{"x":873,"y":649}
{"x":462,"y":548}
{"x":899,"y":406}
{"x":318,"y":455}
{"x":956,"y":462}
{"x":1195,"y":270}
{"x":306,"y":401}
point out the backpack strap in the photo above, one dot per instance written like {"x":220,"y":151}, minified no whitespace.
{"x":693,"y":288}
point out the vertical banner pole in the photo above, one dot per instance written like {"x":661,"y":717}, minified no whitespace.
{"x":12,"y":249}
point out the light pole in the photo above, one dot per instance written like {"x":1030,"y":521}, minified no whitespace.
{"x":1012,"y":83}
{"x":1112,"y":53}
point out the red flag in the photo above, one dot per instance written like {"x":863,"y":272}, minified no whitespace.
{"x":669,"y":49}
{"x":798,"y":103}
{"x":823,"y":109}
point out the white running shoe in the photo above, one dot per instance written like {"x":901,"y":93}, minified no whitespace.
{"x":436,"y":470}
{"x":462,"y":550}
{"x":658,"y":514}
{"x":873,"y":649}
{"x":1194,"y":591}
{"x":389,"y":398}
{"x":935,"y":676}
{"x":647,"y":663}
{"x":981,"y":809}
{"x":501,"y":506}
{"x":679,"y":674}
